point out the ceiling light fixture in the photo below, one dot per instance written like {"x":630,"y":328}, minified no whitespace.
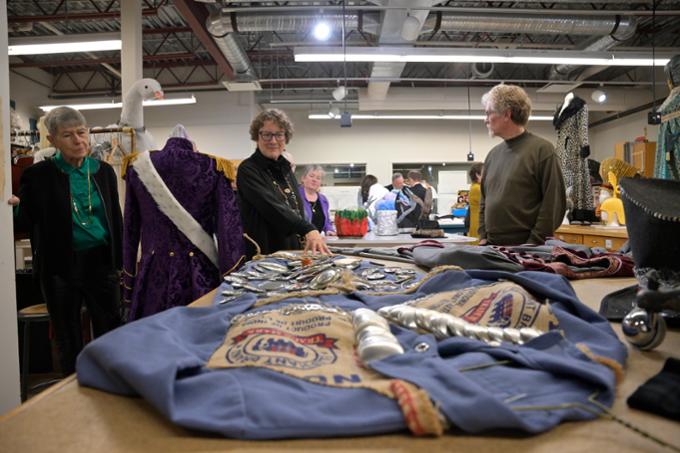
{"x":410,"y":30}
{"x":322,"y":31}
{"x":362,"y":116}
{"x":64,"y":44}
{"x":339,"y":93}
{"x":436,"y":55}
{"x":599,"y":96}
{"x":117,"y":105}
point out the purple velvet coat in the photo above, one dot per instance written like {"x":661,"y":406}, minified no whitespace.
{"x":172,"y":271}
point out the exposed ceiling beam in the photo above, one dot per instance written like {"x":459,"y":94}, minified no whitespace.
{"x":196,"y":14}
{"x":75,"y":16}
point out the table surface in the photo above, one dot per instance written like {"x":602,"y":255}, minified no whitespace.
{"x":371,"y":239}
{"x":595,"y":230}
{"x":69,"y":418}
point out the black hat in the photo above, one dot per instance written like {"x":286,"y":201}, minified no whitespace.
{"x":652,"y":208}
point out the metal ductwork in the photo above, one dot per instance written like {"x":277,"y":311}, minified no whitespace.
{"x":530,"y":24}
{"x":219,"y":24}
{"x":624,"y":31}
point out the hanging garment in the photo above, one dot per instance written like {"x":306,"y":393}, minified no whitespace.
{"x":173,"y":271}
{"x":573,"y":150}
{"x":268,"y":374}
{"x":667,"y":161}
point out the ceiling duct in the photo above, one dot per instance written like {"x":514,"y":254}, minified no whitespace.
{"x":530,"y":24}
{"x":611,"y":30}
{"x":219,"y":23}
{"x":482,"y":70}
{"x":624,"y":31}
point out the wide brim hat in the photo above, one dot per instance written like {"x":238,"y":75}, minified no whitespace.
{"x":652,"y":208}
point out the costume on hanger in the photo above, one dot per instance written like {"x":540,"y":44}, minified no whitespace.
{"x":571,"y":123}
{"x":667,"y":162}
{"x":175,"y":268}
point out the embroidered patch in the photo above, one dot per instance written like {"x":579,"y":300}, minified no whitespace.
{"x":316,"y":343}
{"x":502,"y":304}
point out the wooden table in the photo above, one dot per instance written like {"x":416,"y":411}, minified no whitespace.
{"x":371,"y":239}
{"x":69,"y":418}
{"x":611,"y":238}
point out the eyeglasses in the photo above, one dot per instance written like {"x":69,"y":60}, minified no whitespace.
{"x":266,"y":136}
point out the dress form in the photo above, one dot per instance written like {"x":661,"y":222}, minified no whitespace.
{"x":572,"y":148}
{"x":667,"y":160}
{"x":567,"y":100}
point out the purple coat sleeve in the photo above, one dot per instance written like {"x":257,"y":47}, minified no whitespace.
{"x":228,"y":228}
{"x":131,"y":234}
{"x":328,"y":226}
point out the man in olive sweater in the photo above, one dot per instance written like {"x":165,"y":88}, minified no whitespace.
{"x":523,"y":192}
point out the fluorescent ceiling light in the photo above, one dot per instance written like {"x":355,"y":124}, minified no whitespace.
{"x":117,"y":105}
{"x":365,"y":116}
{"x":436,"y":55}
{"x":64,"y":44}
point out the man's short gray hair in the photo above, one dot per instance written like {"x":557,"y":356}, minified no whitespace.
{"x":63,"y":117}
{"x":396,"y":176}
{"x":502,"y":98}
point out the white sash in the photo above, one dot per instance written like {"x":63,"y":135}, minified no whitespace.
{"x":169,"y":206}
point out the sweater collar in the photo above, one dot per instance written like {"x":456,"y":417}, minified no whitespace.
{"x":513,"y":140}
{"x":281,"y":164}
{"x":572,"y":109}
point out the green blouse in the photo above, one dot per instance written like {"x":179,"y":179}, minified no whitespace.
{"x":87,"y":209}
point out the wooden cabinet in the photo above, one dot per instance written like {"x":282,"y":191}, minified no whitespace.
{"x":610,"y":238}
{"x":639,"y":154}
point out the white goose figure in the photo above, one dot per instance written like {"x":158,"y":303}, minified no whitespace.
{"x":132,"y":114}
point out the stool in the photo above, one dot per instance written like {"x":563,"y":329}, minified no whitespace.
{"x":27,"y":316}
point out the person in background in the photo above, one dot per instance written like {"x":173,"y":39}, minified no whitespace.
{"x":271,"y":208}
{"x":314,"y":202}
{"x":397,"y":182}
{"x":423,"y":195}
{"x":433,"y":194}
{"x":523,"y":193}
{"x":370,"y":193}
{"x":474,"y":197}
{"x":69,"y":203}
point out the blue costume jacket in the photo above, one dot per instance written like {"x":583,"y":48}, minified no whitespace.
{"x":162,"y":358}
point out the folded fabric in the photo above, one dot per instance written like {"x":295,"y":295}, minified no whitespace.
{"x":661,"y":394}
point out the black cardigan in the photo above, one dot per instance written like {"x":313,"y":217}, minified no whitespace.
{"x":265,"y":215}
{"x":45,"y":211}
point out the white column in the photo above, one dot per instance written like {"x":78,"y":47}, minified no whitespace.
{"x":9,"y":352}
{"x":131,"y":34}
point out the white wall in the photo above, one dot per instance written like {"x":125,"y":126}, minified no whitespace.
{"x":9,"y":351}
{"x":604,"y":137}
{"x":379,"y":144}
{"x":218,"y":122}
{"x":27,"y":94}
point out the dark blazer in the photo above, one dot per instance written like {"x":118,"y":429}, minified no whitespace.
{"x":45,"y":210}
{"x":266,"y":216}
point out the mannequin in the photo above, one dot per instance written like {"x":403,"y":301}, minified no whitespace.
{"x":667,"y":162}
{"x":567,"y":100}
{"x":189,"y":236}
{"x":571,"y":123}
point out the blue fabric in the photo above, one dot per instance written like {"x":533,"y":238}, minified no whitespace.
{"x":161,"y":358}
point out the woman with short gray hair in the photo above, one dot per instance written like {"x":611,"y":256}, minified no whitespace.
{"x":314,"y":202}
{"x":70,"y":204}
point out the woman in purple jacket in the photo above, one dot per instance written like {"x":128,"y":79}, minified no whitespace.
{"x":314,"y":202}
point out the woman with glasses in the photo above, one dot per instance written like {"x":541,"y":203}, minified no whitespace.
{"x":272,"y":211}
